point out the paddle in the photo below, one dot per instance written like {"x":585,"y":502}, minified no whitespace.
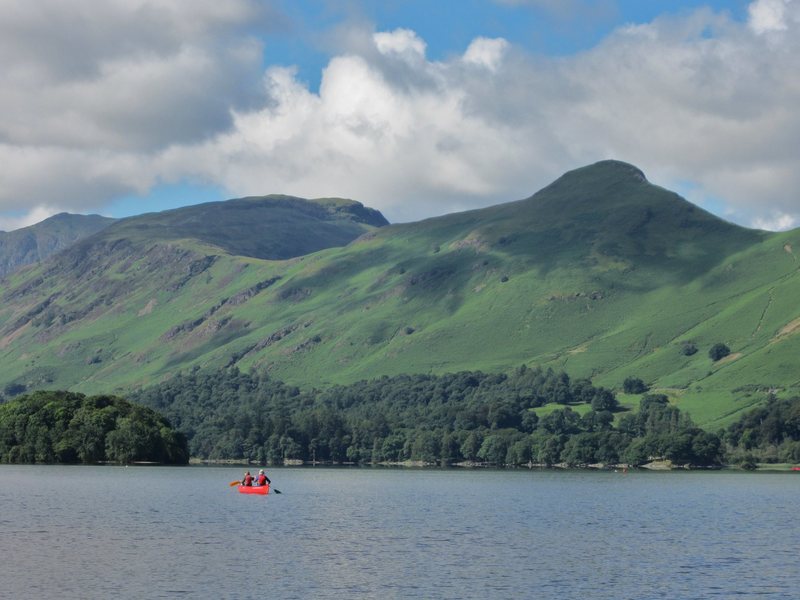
{"x":233,"y":483}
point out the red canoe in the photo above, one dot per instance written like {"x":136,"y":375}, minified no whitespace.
{"x":795,"y":468}
{"x":254,"y":489}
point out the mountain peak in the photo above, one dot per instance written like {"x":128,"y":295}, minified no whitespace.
{"x":605,"y":183}
{"x":608,"y":171}
{"x":619,"y":167}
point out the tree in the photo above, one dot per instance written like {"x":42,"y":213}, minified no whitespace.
{"x":529,"y":421}
{"x":610,"y":446}
{"x":503,"y":414}
{"x":289,"y":447}
{"x":562,"y":420}
{"x":472,"y":444}
{"x":494,"y":449}
{"x":392,"y":447}
{"x":548,"y":449}
{"x":706,"y":448}
{"x":718,"y":351}
{"x":605,"y":400}
{"x":128,"y":442}
{"x":449,"y":448}
{"x":634,"y":385}
{"x":769,"y":433}
{"x":636,"y":453}
{"x":519,"y":452}
{"x":596,"y":421}
{"x":425,"y":446}
{"x":580,"y":449}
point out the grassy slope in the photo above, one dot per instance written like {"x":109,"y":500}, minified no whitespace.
{"x":100,"y":314}
{"x":601,"y":274}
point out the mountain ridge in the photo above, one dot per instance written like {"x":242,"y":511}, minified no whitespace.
{"x":578,"y":276}
{"x":326,"y":222}
{"x":29,"y":245}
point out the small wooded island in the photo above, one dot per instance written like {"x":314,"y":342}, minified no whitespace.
{"x":67,"y":427}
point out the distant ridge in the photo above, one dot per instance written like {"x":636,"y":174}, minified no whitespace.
{"x":272,"y":227}
{"x":32,"y":244}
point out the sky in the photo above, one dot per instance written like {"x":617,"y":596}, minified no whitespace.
{"x":414,"y":107}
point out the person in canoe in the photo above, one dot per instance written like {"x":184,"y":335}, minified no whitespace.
{"x":262,"y":478}
{"x":247,"y":480}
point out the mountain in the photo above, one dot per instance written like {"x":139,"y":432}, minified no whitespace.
{"x":29,"y":245}
{"x":270,"y":227}
{"x":601,"y":274}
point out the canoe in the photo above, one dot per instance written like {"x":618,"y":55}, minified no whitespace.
{"x":254,"y":489}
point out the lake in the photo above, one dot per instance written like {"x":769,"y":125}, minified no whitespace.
{"x":163,"y":532}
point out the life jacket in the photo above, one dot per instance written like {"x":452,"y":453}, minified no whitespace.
{"x":262,"y":479}
{"x":248,"y":480}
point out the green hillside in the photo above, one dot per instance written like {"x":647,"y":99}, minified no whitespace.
{"x":601,"y":274}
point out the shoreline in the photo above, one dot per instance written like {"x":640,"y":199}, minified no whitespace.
{"x":663,"y":465}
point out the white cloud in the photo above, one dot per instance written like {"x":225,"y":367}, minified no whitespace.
{"x":778,"y":222}
{"x":768,"y":15}
{"x":31,"y":217}
{"x":410,"y":147}
{"x":697,"y":98}
{"x":124,"y":75}
{"x":91,"y":92}
{"x":401,"y":42}
{"x":485,"y":52}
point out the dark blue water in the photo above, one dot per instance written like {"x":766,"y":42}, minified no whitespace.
{"x":141,"y":532}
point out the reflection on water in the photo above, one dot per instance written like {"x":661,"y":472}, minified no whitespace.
{"x":156,"y":532}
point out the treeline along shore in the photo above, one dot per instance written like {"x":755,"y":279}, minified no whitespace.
{"x":530,"y":416}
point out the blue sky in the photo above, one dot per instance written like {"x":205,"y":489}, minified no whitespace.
{"x":414,"y":107}
{"x":554,"y":28}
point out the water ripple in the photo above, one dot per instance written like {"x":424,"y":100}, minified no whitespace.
{"x":361,"y":533}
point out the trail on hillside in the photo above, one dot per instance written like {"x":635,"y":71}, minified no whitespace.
{"x":770,"y":299}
